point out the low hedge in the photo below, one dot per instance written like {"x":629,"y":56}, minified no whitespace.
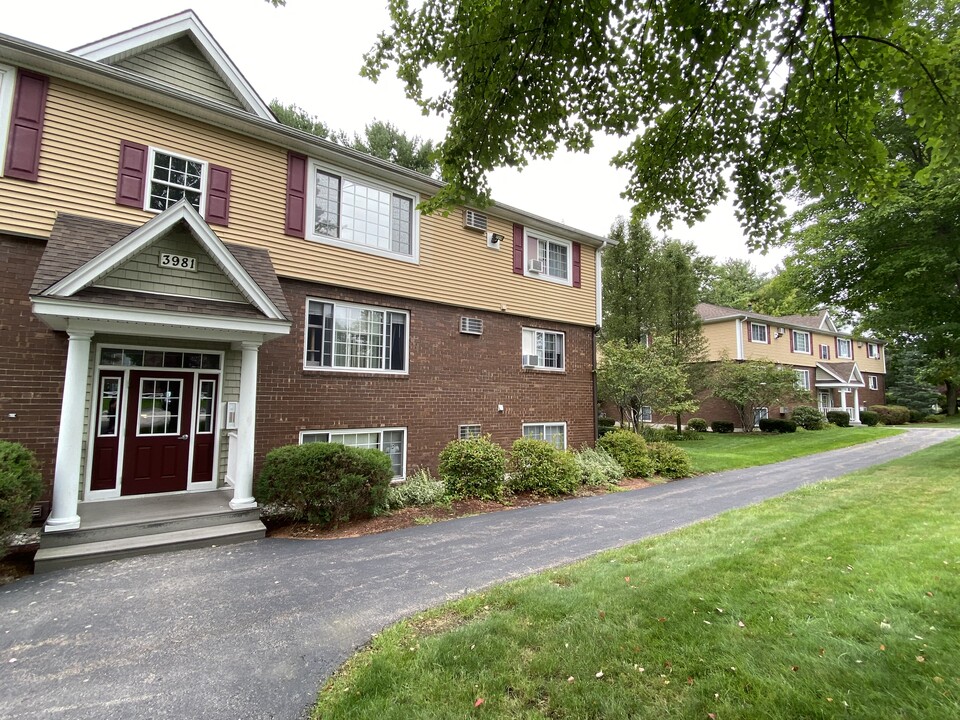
{"x":721,"y":426}
{"x":541,"y":468}
{"x":418,"y":489}
{"x":771,"y":425}
{"x":809,"y":418}
{"x":628,"y":449}
{"x":892,"y":414}
{"x":325,"y":482}
{"x":869,"y":418}
{"x":20,"y":487}
{"x":473,"y":468}
{"x":840,"y":418}
{"x":598,"y":468}
{"x":670,"y":461}
{"x":698,"y":424}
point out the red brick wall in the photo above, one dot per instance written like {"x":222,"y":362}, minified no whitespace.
{"x":32,"y":358}
{"x":453,"y":379}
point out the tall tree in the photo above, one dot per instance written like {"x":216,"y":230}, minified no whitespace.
{"x":630,"y":303}
{"x":783,"y":94}
{"x":908,"y":381}
{"x":295,"y":116}
{"x":733,"y":283}
{"x":783,"y":294}
{"x":751,"y":384}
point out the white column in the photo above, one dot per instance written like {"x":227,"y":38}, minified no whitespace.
{"x":246,"y":428}
{"x":66,"y":476}
{"x":843,"y":399}
{"x":855,"y":420}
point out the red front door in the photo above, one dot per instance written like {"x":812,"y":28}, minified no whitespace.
{"x":156,"y":452}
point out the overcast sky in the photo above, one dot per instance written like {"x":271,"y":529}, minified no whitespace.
{"x":310,"y":53}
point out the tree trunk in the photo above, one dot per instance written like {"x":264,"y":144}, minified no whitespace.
{"x":679,"y":424}
{"x":951,"y":397}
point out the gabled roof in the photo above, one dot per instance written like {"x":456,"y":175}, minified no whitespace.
{"x":822,"y":321}
{"x":842,"y":373}
{"x":114,"y":49}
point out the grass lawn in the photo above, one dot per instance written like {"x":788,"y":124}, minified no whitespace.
{"x":840,"y":600}
{"x":739,"y":450}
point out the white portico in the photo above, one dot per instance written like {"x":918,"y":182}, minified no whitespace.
{"x":838,"y":388}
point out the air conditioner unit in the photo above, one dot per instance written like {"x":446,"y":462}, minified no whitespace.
{"x":530,"y":361}
{"x":471,"y":326}
{"x":534,"y":266}
{"x":473,"y":220}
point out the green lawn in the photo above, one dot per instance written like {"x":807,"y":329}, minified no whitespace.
{"x":739,"y":450}
{"x":840,"y":600}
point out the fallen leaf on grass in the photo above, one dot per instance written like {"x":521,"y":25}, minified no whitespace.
{"x":740,"y":623}
{"x":478,"y":703}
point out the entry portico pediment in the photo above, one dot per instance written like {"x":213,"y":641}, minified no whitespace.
{"x":839,"y":374}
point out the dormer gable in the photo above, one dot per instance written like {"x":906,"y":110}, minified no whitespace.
{"x":179,"y":51}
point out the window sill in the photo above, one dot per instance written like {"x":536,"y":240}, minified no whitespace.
{"x":551,"y":371}
{"x":356,"y":373}
{"x":367,"y":249}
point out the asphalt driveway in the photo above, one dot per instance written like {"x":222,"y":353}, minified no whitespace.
{"x":249,"y":631}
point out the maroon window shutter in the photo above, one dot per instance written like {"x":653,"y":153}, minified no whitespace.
{"x":576,"y":265}
{"x":132,"y":174}
{"x":518,"y":249}
{"x":218,"y":195}
{"x":851,"y":349}
{"x":769,"y":332}
{"x":793,"y":347}
{"x":26,"y":127}
{"x":295,"y":221}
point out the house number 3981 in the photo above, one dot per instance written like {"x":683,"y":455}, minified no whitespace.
{"x":180,"y":262}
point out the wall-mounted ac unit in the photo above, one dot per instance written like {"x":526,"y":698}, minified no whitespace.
{"x":473,"y":220}
{"x":530,"y":361}
{"x":471,"y":326}
{"x":534,"y":266}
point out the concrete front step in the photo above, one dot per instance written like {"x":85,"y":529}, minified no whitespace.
{"x":55,"y":558}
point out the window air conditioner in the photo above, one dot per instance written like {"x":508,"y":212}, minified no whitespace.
{"x":473,"y":220}
{"x":471,"y":326}
{"x":535,"y":266}
{"x":530,"y":361}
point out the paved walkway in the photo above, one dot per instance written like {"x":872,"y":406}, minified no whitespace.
{"x":249,"y":631}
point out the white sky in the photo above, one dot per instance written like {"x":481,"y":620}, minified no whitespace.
{"x":310,"y":53}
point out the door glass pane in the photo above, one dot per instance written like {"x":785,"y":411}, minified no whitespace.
{"x":109,"y":403}
{"x":159,"y":407}
{"x":207,"y":395}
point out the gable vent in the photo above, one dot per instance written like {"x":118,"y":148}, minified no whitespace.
{"x":471,"y":326}
{"x":474,"y":220}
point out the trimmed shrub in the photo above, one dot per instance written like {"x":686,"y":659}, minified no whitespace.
{"x":473,"y":468}
{"x":869,"y":418}
{"x":20,"y":487}
{"x":541,"y":468}
{"x":721,"y":426}
{"x":604,"y":421}
{"x":935,"y":418}
{"x":598,"y":468}
{"x":659,"y":434}
{"x":689,"y":434}
{"x":892,"y":414}
{"x":325,"y":482}
{"x":697,"y":424}
{"x":628,"y":449}
{"x":418,"y":489}
{"x":838,"y":418}
{"x":809,"y":418}
{"x":670,"y":461}
{"x":917,"y":416}
{"x":771,"y":425}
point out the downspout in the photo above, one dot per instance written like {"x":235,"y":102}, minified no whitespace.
{"x":596,"y":331}
{"x":740,"y":338}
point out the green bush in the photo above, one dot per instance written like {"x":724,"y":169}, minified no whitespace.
{"x":418,"y":489}
{"x":604,"y":421}
{"x":892,"y":414}
{"x":869,"y":418}
{"x":777,"y":425}
{"x":659,"y":434}
{"x":689,"y":434}
{"x":840,"y":418}
{"x":325,"y":482}
{"x":473,"y":468}
{"x":698,"y":424}
{"x":628,"y":449}
{"x":541,"y":468}
{"x":809,"y":418}
{"x":721,"y":426}
{"x":935,"y":418}
{"x":670,"y":461}
{"x":20,"y":487}
{"x":917,"y":416}
{"x":598,"y":468}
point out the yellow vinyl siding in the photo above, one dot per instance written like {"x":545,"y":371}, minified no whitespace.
{"x":777,"y":350}
{"x":721,"y":340}
{"x":78,"y":170}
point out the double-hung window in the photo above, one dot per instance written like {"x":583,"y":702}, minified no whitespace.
{"x":824,"y":352}
{"x":803,"y":379}
{"x":174,"y":177}
{"x":872,"y":382}
{"x":542,"y":349}
{"x":467,"y":432}
{"x":548,"y":258}
{"x":392,"y":441}
{"x":355,"y":338}
{"x":758,"y":333}
{"x":553,"y":433}
{"x":873,"y":350}
{"x":844,"y":348}
{"x":8,"y":77}
{"x":362,"y":214}
{"x":801,"y":341}
{"x":760,"y":413}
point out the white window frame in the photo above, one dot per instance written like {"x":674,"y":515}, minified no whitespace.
{"x":824,"y":351}
{"x":312,"y":235}
{"x":646,"y":413}
{"x":533,"y":234}
{"x":357,"y":306}
{"x":873,"y":351}
{"x":8,"y":78}
{"x":872,"y":382}
{"x":471,"y":430}
{"x":204,"y":178}
{"x":544,"y":426}
{"x":802,"y":333}
{"x":357,"y":431}
{"x":539,"y":365}
{"x":849,"y":345}
{"x":760,"y":413}
{"x":766,"y":333}
{"x":803,"y":378}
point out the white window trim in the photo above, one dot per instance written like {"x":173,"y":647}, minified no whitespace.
{"x":8,"y":77}
{"x":872,"y":382}
{"x":822,"y":346}
{"x":544,"y":425}
{"x":849,"y":355}
{"x":204,"y":179}
{"x":873,"y":351}
{"x":563,"y":335}
{"x":333,"y":369}
{"x":314,"y":165}
{"x":380,"y":430}
{"x":804,"y":383}
{"x":533,"y":232}
{"x":462,"y":428}
{"x":766,"y":333}
{"x":760,"y":413}
{"x":796,"y":334}
{"x":646,"y":414}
